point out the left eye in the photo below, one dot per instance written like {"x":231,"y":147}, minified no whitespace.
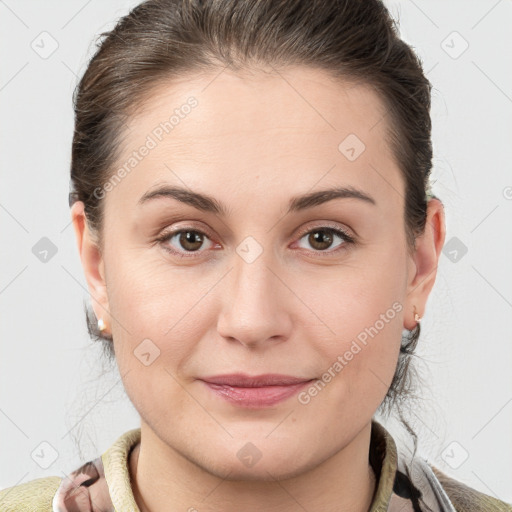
{"x":322,"y":238}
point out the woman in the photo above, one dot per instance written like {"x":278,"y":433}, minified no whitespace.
{"x":253,"y":214}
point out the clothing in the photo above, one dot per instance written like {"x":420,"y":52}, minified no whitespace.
{"x":103,"y":484}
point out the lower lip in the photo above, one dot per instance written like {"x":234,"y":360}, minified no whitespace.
{"x":255,"y":398}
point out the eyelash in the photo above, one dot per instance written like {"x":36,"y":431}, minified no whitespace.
{"x":348,"y":240}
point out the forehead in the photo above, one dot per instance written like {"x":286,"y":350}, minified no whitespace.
{"x":284,"y":129}
{"x":304,"y":100}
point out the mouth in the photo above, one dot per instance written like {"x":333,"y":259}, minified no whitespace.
{"x":257,"y":391}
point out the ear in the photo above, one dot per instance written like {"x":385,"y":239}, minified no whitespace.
{"x":424,"y":261}
{"x":92,"y":262}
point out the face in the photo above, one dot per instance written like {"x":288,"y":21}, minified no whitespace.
{"x":268,"y":274}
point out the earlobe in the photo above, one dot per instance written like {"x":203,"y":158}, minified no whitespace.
{"x":425,"y":261}
{"x":92,"y":261}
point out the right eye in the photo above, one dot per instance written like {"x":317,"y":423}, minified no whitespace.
{"x":186,"y":240}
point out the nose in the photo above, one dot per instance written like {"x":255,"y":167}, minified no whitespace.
{"x":255,"y":304}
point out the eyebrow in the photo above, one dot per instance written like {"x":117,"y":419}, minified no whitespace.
{"x":207,"y":203}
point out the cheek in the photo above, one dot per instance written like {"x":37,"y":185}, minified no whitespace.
{"x":357,"y":371}
{"x":152,"y":300}
{"x":359,"y":328}
{"x":157,"y":318}
{"x":364,"y":292}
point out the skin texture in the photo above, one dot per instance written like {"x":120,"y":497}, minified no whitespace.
{"x":253,"y":142}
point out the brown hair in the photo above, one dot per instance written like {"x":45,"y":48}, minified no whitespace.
{"x":161,"y":39}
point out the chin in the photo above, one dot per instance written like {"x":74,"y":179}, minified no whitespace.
{"x":258,"y":461}
{"x":269,"y":471}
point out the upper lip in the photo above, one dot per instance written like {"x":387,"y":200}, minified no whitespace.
{"x":247,"y":381}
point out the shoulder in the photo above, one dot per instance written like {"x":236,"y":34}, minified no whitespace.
{"x":34,"y":496}
{"x":467,"y":499}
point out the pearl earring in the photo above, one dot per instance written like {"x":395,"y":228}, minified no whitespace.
{"x":417,"y":317}
{"x":101,"y":324}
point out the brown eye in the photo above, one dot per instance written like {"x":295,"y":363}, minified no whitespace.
{"x":184,"y":241}
{"x":323,"y":238}
{"x":320,"y":239}
{"x":190,"y":240}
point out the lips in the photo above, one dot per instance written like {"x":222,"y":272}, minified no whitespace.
{"x":246,"y":381}
{"x":255,"y":391}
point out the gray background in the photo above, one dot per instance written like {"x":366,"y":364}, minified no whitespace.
{"x":56,"y":390}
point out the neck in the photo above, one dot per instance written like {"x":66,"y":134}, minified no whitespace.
{"x":164,"y":480}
